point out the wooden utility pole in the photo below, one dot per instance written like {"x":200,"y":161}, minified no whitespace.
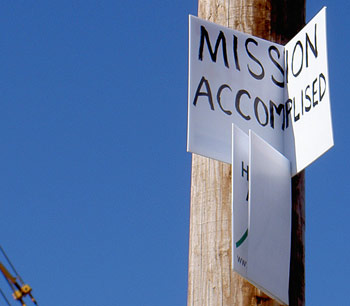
{"x":211,"y":280}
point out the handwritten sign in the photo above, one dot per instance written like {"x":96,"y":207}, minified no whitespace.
{"x":233,"y":78}
{"x":281,"y":93}
{"x":307,"y":95}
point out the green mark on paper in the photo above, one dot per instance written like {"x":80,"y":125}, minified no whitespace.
{"x":244,"y":237}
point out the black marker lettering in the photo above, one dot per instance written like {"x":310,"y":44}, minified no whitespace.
{"x":258,"y":101}
{"x":302,"y":58}
{"x":314,"y":92}
{"x":213,"y":55}
{"x":218,"y":98}
{"x":307,"y":97}
{"x":279,"y":110}
{"x":240,"y":93}
{"x":273,"y":48}
{"x":296,"y":117}
{"x":313,"y":47}
{"x":321,"y":93}
{"x":302,"y":102}
{"x":288,"y":110}
{"x":206,"y":93}
{"x":254,"y":75}
{"x":235,"y":53}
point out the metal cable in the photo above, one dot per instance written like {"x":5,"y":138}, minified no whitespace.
{"x":5,"y":298}
{"x":9,"y":262}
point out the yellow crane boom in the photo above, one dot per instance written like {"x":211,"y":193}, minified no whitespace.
{"x":19,"y":290}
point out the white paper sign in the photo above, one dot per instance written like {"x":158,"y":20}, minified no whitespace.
{"x":241,"y":79}
{"x":261,"y":214}
{"x":307,"y":96}
{"x":233,"y":78}
{"x":240,"y":197}
{"x":269,"y":228}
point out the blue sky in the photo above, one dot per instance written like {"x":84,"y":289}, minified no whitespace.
{"x":95,"y":178}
